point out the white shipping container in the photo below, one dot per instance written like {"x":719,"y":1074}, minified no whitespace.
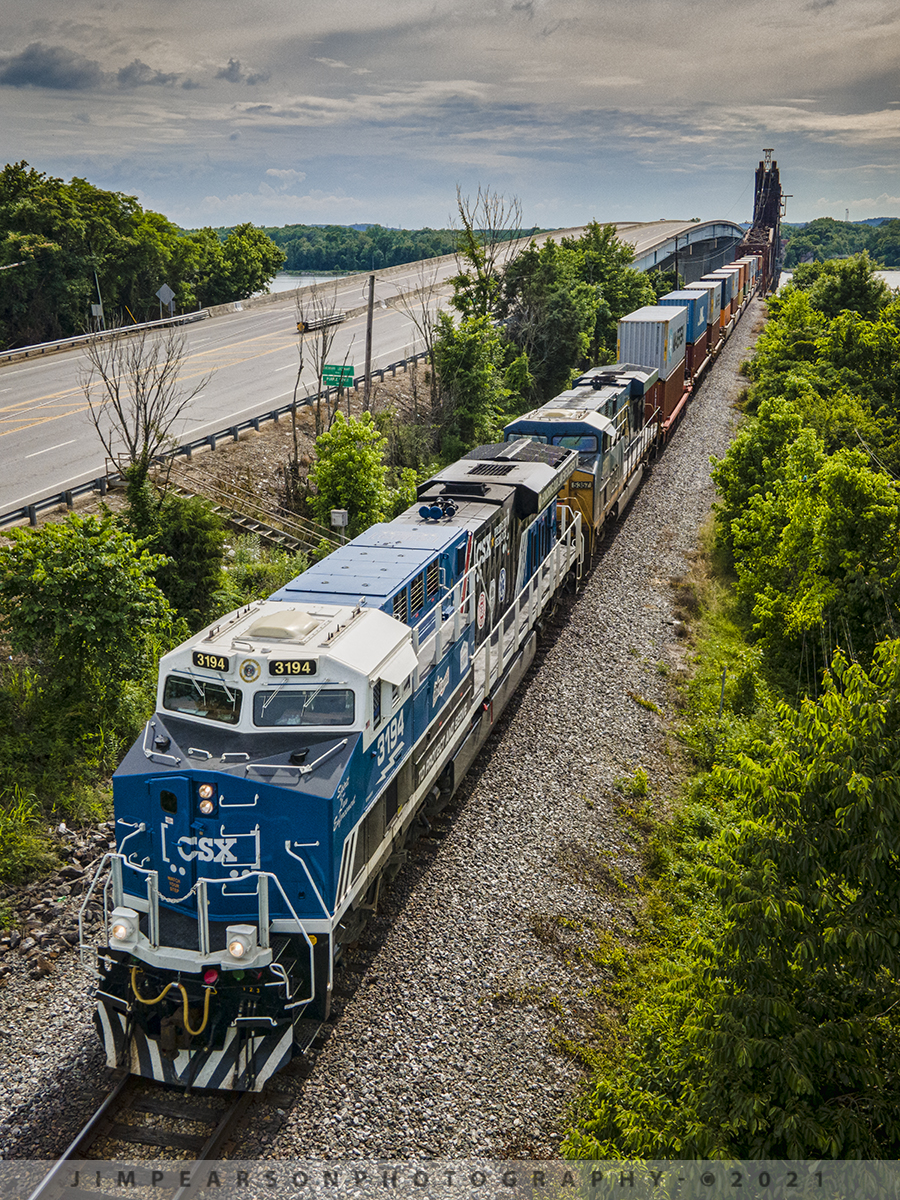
{"x":715,"y":298}
{"x":655,"y":337}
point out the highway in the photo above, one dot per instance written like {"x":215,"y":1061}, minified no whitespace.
{"x":47,"y":439}
{"x":48,"y":442}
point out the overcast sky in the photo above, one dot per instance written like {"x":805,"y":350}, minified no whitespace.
{"x":278,"y":111}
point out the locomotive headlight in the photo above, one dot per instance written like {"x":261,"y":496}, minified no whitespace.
{"x":207,"y":793}
{"x":241,"y":941}
{"x":206,"y":807}
{"x":124,"y":926}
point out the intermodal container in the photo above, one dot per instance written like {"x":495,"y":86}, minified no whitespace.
{"x":697,"y":305}
{"x":745,"y":275}
{"x":738,"y":271}
{"x":752,"y":261}
{"x":713,"y":289}
{"x":654,"y":337}
{"x":726,"y":279}
{"x":733,"y":273}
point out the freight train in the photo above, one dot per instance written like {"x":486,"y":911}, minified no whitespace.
{"x":299,"y":742}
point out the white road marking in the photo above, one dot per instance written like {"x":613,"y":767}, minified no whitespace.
{"x":49,"y":448}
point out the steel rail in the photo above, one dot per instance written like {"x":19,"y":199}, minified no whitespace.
{"x":54,"y":1186}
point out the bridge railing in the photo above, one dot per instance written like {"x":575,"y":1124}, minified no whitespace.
{"x":84,"y":486}
{"x":102,"y":335}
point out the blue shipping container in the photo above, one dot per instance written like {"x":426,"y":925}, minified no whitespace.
{"x":697,"y":304}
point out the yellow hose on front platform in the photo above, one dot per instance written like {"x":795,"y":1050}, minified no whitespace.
{"x":141,"y":998}
{"x":184,"y":996}
{"x":196,"y":1032}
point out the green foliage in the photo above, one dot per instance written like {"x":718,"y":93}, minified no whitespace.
{"x":604,"y":262}
{"x":349,"y":472}
{"x":844,"y":284}
{"x":191,"y":537}
{"x":82,"y":611}
{"x":469,"y":357}
{"x":825,"y":238}
{"x":254,"y":572}
{"x":550,"y":314}
{"x":79,"y":597}
{"x":342,"y":248}
{"x":761,"y":1004}
{"x":188,"y":539}
{"x":884,"y":244}
{"x":79,"y":245}
{"x":243,"y":264}
{"x":23,"y":849}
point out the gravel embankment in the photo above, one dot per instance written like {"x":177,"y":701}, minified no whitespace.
{"x":446,"y":1047}
{"x":455,"y":1004}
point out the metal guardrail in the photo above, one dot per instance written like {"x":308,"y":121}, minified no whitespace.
{"x":102,"y":483}
{"x":99,"y":335}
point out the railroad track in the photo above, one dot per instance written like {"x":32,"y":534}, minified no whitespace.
{"x":141,"y":1121}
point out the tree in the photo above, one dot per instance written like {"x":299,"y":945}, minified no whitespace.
{"x":470,"y":358}
{"x":140,"y":399}
{"x":250,"y":261}
{"x":550,"y":314}
{"x":350,"y":472}
{"x":81,"y":597}
{"x":318,"y":311}
{"x":778,"y":1036}
{"x":839,"y":284}
{"x":487,"y":226}
{"x":805,"y":1040}
{"x":884,"y":244}
{"x":188,"y":538}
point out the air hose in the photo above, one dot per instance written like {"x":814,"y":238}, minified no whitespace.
{"x":184,"y":996}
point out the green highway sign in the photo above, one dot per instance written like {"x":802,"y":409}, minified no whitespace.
{"x":336,"y":375}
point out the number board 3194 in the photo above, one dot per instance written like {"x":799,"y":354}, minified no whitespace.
{"x":211,"y":662}
{"x":292,"y":666}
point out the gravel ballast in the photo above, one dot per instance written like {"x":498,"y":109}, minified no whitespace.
{"x":453,"y":1012}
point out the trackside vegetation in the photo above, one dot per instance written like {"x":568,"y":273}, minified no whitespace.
{"x":87,"y":607}
{"x":758,"y":1018}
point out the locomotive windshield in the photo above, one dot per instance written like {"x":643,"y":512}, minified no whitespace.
{"x":304,"y":706}
{"x":200,"y":698}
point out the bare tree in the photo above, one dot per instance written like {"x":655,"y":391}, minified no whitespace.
{"x":421,"y":305}
{"x":488,"y":232}
{"x":135,"y":395}
{"x":317,"y":319}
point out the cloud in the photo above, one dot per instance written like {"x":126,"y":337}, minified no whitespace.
{"x":286,"y":176}
{"x":232,"y":73}
{"x":56,"y":67}
{"x":190,"y":84}
{"x":333,"y":62}
{"x":139,"y":74}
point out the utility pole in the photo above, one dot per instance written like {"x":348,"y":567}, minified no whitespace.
{"x":368,"y":382}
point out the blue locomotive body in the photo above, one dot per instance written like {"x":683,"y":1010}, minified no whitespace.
{"x":293,"y":747}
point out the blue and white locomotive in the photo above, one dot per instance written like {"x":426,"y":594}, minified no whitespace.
{"x":294,"y":744}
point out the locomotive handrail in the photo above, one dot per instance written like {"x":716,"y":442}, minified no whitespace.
{"x":115,"y":880}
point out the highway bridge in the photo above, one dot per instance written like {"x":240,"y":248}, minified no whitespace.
{"x":48,"y":443}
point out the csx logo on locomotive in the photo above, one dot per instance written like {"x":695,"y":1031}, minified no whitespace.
{"x":204,"y":849}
